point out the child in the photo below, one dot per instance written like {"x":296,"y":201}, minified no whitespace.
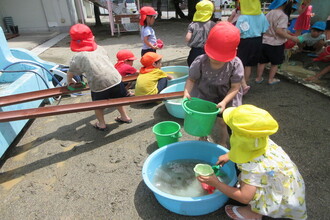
{"x":252,"y":24}
{"x":103,"y":79}
{"x":315,"y":40}
{"x":304,"y":19}
{"x":124,"y":65}
{"x":151,"y":79}
{"x":273,"y":41}
{"x":216,"y":76}
{"x":147,"y":19}
{"x":199,"y":29}
{"x":270,"y":182}
{"x":235,"y":13}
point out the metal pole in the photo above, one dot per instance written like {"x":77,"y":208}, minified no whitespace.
{"x":111,"y":21}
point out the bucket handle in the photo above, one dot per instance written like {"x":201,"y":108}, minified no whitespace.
{"x":177,"y":135}
{"x":183,"y":104}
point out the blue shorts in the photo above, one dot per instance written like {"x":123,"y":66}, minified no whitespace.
{"x":117,"y":91}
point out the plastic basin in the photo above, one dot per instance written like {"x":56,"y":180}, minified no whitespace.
{"x":179,"y":72}
{"x":174,"y":106}
{"x":194,"y":150}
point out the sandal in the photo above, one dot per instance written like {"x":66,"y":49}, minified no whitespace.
{"x":119,"y":120}
{"x":275,"y":81}
{"x":233,"y":213}
{"x":96,"y":126}
{"x":260,"y":81}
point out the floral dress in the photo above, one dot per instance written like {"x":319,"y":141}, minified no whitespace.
{"x":280,"y":187}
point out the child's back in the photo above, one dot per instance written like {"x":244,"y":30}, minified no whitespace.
{"x":277,"y":19}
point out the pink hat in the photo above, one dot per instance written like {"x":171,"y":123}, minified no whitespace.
{"x":144,"y":11}
{"x":222,"y":42}
{"x":82,"y":38}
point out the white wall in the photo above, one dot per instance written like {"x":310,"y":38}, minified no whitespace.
{"x":39,"y":15}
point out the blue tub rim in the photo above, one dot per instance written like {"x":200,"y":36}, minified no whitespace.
{"x":154,"y":189}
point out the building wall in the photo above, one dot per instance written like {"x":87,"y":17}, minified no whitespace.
{"x":321,"y":9}
{"x":39,"y":15}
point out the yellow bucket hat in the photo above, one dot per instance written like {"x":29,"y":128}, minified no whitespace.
{"x":250,"y":7}
{"x":251,"y":127}
{"x":204,"y":11}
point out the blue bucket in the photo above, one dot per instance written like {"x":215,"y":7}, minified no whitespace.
{"x":174,"y":106}
{"x":179,"y":72}
{"x":192,"y":150}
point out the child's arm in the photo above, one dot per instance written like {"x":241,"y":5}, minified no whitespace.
{"x":319,"y":75}
{"x":188,"y":87}
{"x":145,"y":40}
{"x":283,"y":33}
{"x":170,"y":77}
{"x":69,"y":78}
{"x":244,"y":194}
{"x":234,"y":88}
{"x":188,"y":36}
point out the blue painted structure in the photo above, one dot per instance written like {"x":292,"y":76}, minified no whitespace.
{"x":23,"y":73}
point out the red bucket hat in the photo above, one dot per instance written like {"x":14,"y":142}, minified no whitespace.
{"x":147,"y":60}
{"x":123,"y":55}
{"x":82,"y":38}
{"x":222,"y":42}
{"x":144,"y":11}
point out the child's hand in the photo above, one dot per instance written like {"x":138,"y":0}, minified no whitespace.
{"x":170,"y":77}
{"x":209,"y":180}
{"x":222,"y":106}
{"x":223,"y":159}
{"x":186,"y":95}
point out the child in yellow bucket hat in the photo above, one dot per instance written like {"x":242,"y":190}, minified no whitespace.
{"x":199,"y":29}
{"x":270,"y":182}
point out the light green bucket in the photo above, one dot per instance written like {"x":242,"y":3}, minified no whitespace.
{"x":200,"y":116}
{"x":167,"y":132}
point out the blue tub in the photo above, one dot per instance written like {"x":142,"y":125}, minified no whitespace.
{"x":173,"y":106}
{"x":181,"y":72}
{"x":194,"y":150}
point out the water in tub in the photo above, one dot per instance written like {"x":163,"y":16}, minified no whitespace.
{"x":176,"y":74}
{"x":178,"y":178}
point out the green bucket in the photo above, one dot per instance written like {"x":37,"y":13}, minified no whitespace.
{"x":200,"y":116}
{"x":167,"y":132}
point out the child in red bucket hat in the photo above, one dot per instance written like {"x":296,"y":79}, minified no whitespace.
{"x":147,"y":19}
{"x":124,"y":65}
{"x":216,"y":76}
{"x":270,"y":182}
{"x":103,"y":79}
{"x":151,"y":79}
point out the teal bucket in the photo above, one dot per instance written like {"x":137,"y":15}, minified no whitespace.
{"x":200,"y":116}
{"x":167,"y":132}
